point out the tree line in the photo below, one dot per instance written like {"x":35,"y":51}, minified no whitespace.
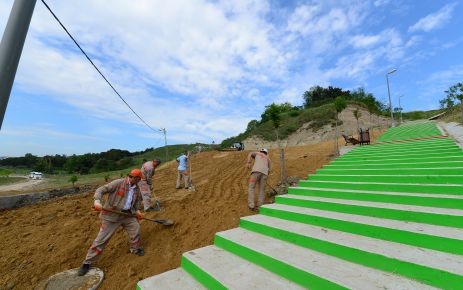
{"x":113,"y":159}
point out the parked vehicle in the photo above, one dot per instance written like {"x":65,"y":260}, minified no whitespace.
{"x":35,"y":175}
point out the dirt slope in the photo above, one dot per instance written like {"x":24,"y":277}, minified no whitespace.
{"x":40,"y":240}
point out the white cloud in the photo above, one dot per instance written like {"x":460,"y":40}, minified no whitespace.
{"x":434,"y":20}
{"x":381,"y":2}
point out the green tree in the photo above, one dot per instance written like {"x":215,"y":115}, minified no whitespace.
{"x":339,"y":106}
{"x":274,"y":115}
{"x":73,"y":179}
{"x":456,"y":92}
{"x":357,"y":115}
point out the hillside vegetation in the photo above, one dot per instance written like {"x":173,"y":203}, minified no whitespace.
{"x":318,"y":110}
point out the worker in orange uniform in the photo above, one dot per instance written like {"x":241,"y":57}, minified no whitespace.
{"x":146,"y":185}
{"x":259,"y":173}
{"x":123,"y":195}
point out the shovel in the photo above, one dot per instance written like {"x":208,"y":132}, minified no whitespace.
{"x":191,"y":187}
{"x":274,"y":192}
{"x":162,"y":222}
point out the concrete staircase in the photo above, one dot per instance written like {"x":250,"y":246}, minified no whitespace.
{"x":385,"y":216}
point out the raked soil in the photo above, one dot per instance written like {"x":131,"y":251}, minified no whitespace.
{"x":41,"y":240}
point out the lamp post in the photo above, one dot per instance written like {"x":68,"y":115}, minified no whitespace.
{"x":11,"y":47}
{"x":389,"y":93}
{"x":400,"y":108}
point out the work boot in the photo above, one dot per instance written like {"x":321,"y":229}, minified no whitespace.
{"x":139,"y":252}
{"x":83,"y":269}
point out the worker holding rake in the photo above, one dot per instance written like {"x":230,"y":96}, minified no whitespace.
{"x":123,"y":196}
{"x":259,"y":173}
{"x":182,"y":170}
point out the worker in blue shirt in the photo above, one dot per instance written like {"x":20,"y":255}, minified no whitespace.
{"x":182,"y":170}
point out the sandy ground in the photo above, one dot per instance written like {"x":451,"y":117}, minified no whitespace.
{"x":40,"y":240}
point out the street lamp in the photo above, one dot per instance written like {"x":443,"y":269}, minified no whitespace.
{"x":389,"y":93}
{"x":400,"y":108}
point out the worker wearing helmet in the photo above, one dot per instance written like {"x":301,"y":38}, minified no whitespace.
{"x":259,"y":173}
{"x":124,"y":196}
{"x":146,"y":185}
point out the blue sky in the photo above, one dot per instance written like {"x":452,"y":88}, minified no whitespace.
{"x":204,"y":69}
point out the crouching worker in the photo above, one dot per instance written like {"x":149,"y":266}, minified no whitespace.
{"x":146,"y":185}
{"x":123,"y":195}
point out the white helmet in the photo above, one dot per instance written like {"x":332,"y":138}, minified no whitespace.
{"x":264,"y":150}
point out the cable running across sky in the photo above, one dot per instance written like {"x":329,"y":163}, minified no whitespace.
{"x":93,"y":64}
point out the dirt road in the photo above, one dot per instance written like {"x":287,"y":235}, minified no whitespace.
{"x":20,"y":186}
{"x":41,"y":240}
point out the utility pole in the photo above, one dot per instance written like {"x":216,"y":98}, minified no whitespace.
{"x":400,"y":108}
{"x":163,"y":130}
{"x":11,"y":48}
{"x":389,"y":93}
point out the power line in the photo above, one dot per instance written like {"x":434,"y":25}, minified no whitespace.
{"x":102,"y":75}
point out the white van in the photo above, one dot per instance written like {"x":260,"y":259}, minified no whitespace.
{"x":35,"y":175}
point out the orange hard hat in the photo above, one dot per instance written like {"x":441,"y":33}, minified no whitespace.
{"x":136,"y":172}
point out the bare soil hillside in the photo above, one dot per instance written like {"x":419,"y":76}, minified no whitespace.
{"x":40,"y":240}
{"x":305,"y":135}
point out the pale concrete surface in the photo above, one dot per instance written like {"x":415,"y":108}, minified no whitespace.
{"x":345,"y":149}
{"x":454,"y":130}
{"x":382,"y":192}
{"x":384,"y":183}
{"x":347,"y":274}
{"x":421,"y":256}
{"x":236,"y":273}
{"x":171,"y":280}
{"x":419,"y":228}
{"x":392,"y":164}
{"x":23,"y":185}
{"x":411,"y":208}
{"x":391,"y":159}
{"x":68,"y":280}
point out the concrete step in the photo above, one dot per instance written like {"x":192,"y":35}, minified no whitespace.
{"x":429,"y":200}
{"x":427,"y":164}
{"x":301,"y":264}
{"x":411,"y":154}
{"x":411,"y":213}
{"x":391,"y":178}
{"x":388,"y":187}
{"x":402,"y":152}
{"x":216,"y":268}
{"x":170,"y":280}
{"x":368,"y":160}
{"x":392,"y":149}
{"x":439,"y":238}
{"x":424,"y":265}
{"x":396,"y":171}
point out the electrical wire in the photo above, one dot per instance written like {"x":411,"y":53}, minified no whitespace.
{"x":93,"y":64}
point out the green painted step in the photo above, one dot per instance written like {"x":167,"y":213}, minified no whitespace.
{"x":403,"y":160}
{"x":344,"y":273}
{"x":276,"y":266}
{"x":452,"y":203}
{"x":398,"y":171}
{"x":427,"y":164}
{"x":379,"y":212}
{"x":404,"y":152}
{"x":412,"y":188}
{"x":200,"y":275}
{"x":433,"y":242}
{"x":348,"y":157}
{"x":384,"y":148}
{"x":424,"y":179}
{"x":355,"y":250}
